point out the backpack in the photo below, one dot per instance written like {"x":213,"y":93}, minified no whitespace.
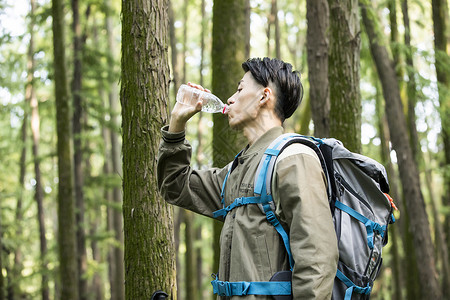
{"x":360,"y":207}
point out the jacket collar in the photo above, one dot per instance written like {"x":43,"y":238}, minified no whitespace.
{"x":263,"y":141}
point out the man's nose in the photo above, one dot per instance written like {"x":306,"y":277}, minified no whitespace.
{"x":230,"y":100}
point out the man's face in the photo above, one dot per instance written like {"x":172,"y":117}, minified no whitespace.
{"x":244,"y":104}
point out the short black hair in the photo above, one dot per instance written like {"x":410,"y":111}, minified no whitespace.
{"x":289,"y":89}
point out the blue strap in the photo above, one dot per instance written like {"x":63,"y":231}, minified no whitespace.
{"x":274,"y":221}
{"x":371,"y":226}
{"x":351,"y":287}
{"x":261,"y":181}
{"x":242,"y":288}
{"x":222,"y":193}
{"x":272,"y":152}
{"x":237,"y":202}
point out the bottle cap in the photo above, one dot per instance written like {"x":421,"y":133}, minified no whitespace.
{"x":225,"y":109}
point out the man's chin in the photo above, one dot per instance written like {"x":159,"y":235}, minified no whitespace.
{"x":234,"y":125}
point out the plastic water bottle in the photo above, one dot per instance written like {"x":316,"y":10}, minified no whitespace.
{"x":190,"y":96}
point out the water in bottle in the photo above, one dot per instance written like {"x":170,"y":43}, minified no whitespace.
{"x":189,"y":95}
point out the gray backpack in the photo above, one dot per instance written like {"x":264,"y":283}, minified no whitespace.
{"x":361,"y":210}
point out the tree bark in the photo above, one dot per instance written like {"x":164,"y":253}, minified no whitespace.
{"x":35,"y":124}
{"x":174,"y":51}
{"x":409,"y":174}
{"x":248,"y":23}
{"x":2,"y":279}
{"x":66,"y":202}
{"x":305,"y":116}
{"x":409,"y":261}
{"x":395,"y":230}
{"x":148,"y":229}
{"x":78,"y":152}
{"x":411,"y":87}
{"x":17,"y":267}
{"x":118,"y":287}
{"x":343,"y":73}
{"x":228,"y":53}
{"x":317,"y":15}
{"x":190,"y":270}
{"x":277,"y":29}
{"x":442,"y":62}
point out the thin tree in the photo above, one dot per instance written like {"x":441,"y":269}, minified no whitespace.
{"x":18,"y":256}
{"x":2,"y":279}
{"x":411,"y":274}
{"x":148,"y":229}
{"x":35,"y":131}
{"x":173,"y":48}
{"x":415,"y":144}
{"x":394,"y":233}
{"x":117,"y":278}
{"x":409,"y":173}
{"x":66,"y":202}
{"x":228,"y":53}
{"x":442,"y":64}
{"x":78,"y":154}
{"x":317,"y":15}
{"x":343,"y":73}
{"x":273,"y":20}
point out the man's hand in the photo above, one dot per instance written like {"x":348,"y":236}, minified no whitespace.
{"x":181,"y":113}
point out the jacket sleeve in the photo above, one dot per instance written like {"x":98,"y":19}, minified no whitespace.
{"x":179,"y":184}
{"x":302,"y":205}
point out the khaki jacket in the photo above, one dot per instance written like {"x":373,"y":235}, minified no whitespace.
{"x":251,"y":248}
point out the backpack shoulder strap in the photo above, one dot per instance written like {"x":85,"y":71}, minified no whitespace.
{"x":264,"y":174}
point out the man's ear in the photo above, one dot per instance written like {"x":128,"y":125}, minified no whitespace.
{"x":267,"y":94}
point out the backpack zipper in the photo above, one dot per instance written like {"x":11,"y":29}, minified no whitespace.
{"x":341,"y":181}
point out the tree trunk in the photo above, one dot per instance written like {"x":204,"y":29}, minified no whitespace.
{"x":179,"y":219}
{"x":78,"y":154}
{"x":441,"y":250}
{"x":409,"y":261}
{"x":228,"y":53}
{"x":190,"y":270}
{"x":118,"y":287}
{"x":148,"y":229}
{"x":199,"y":262}
{"x":174,"y":51}
{"x":2,"y":279}
{"x":185,"y":34}
{"x":317,"y":15}
{"x":392,"y":6}
{"x":409,"y":174}
{"x":273,"y":20}
{"x":39,"y":192}
{"x":417,"y":152}
{"x":17,"y":267}
{"x":248,"y":14}
{"x":411,"y":87}
{"x":394,"y":231}
{"x":277,"y":29}
{"x":66,"y":202}
{"x":442,"y":62}
{"x":305,"y":115}
{"x":343,"y":73}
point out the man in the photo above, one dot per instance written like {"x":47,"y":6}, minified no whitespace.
{"x":251,"y":248}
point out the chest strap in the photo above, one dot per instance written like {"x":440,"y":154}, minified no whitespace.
{"x":237,"y":202}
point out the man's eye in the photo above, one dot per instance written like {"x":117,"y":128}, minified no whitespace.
{"x":239,"y":90}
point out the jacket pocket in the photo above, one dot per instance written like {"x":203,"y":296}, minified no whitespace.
{"x":264,"y":266}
